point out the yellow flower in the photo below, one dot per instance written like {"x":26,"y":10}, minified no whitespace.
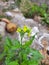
{"x":25,"y":28}
{"x":19,"y":29}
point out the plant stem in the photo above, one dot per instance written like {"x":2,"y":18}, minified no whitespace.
{"x":21,"y":50}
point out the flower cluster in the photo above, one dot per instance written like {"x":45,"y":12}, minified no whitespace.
{"x":31,"y":32}
{"x":24,"y":29}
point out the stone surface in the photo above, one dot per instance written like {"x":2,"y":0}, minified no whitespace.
{"x":16,"y":10}
{"x":35,"y":30}
{"x":9,"y":14}
{"x":45,"y":53}
{"x":19,"y":19}
{"x":2,"y":28}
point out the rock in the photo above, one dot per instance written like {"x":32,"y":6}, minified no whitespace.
{"x":11,"y":2}
{"x":2,"y":28}
{"x":11,"y":5}
{"x":30,"y":23}
{"x":1,"y":6}
{"x":48,"y":28}
{"x":19,"y":19}
{"x":45,"y":53}
{"x":39,"y":25}
{"x":37,"y":18}
{"x":45,"y":35}
{"x":44,"y":40}
{"x":35,"y":30}
{"x":9,"y":14}
{"x":16,"y":10}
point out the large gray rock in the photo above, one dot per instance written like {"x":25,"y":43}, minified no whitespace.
{"x":2,"y":28}
{"x":19,"y":19}
{"x":30,"y":22}
{"x":2,"y":34}
{"x":9,"y":14}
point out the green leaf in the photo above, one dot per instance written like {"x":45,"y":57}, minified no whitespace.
{"x":7,"y":45}
{"x":36,"y":55}
{"x":16,"y":44}
{"x":24,"y":63}
{"x":32,"y":62}
{"x":47,"y":21}
{"x":13,"y":63}
{"x":8,"y":42}
{"x":28,"y":43}
{"x":2,"y":55}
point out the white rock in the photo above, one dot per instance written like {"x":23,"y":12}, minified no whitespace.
{"x":16,"y":10}
{"x":34,"y":31}
{"x":39,"y":24}
{"x":36,"y":36}
{"x":9,"y":14}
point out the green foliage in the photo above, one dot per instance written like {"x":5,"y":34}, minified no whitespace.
{"x":3,"y":16}
{"x":16,"y":53}
{"x":13,"y":63}
{"x":45,"y":19}
{"x":0,"y":37}
{"x":17,"y":2}
{"x":25,"y":7}
{"x":44,"y":6}
{"x":30,"y":10}
{"x":4,"y":10}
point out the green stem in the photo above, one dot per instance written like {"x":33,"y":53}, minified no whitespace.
{"x":21,"y":50}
